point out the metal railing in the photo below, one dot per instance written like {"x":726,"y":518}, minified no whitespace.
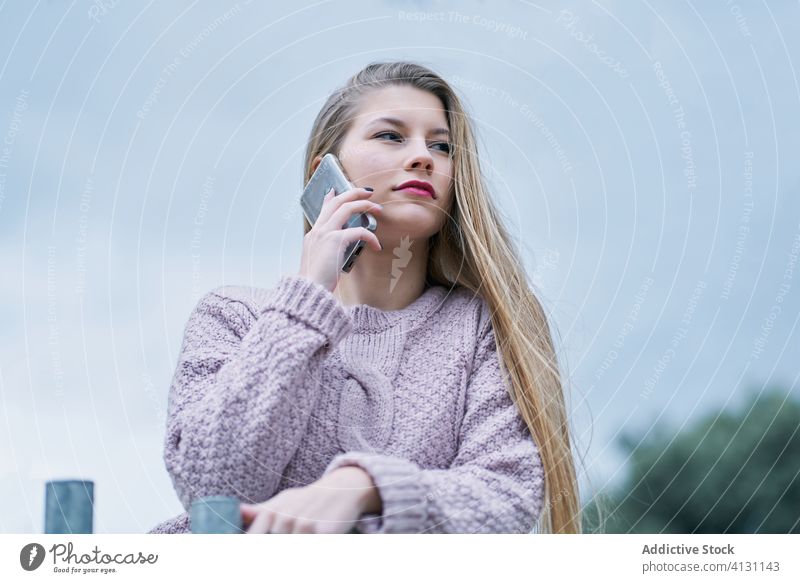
{"x":69,"y":509}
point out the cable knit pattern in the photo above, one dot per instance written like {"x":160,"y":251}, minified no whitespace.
{"x":276,"y":387}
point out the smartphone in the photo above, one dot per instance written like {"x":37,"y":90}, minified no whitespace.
{"x":329,"y":174}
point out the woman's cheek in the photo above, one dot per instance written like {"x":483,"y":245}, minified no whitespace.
{"x":359,"y":162}
{"x":379,"y":163}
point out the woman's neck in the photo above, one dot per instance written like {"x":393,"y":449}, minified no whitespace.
{"x":388,"y":280}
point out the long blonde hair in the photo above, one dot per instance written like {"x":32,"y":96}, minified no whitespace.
{"x":473,"y":250}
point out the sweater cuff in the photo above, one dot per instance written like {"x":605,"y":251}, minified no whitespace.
{"x":310,"y":303}
{"x":402,"y":494}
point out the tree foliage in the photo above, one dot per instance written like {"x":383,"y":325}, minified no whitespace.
{"x":732,"y":472}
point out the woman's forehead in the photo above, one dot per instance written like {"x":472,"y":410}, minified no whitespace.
{"x":406,"y":105}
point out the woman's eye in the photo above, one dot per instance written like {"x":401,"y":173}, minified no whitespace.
{"x":446,"y":148}
{"x":388,"y":134}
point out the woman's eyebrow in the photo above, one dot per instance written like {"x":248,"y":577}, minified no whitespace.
{"x":400,"y":123}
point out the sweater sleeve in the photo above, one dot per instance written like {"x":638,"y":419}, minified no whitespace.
{"x":239,"y":401}
{"x":494,"y":485}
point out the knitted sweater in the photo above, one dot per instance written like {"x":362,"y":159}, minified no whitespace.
{"x":276,"y":387}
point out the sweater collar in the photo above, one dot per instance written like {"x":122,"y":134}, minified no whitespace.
{"x":366,"y":318}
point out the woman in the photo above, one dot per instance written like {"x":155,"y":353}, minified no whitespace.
{"x":380,"y":400}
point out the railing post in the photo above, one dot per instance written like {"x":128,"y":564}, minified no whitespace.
{"x":69,"y":507}
{"x":216,"y":515}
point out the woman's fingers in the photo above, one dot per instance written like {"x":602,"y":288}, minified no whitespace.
{"x":343,"y":213}
{"x":360,"y":234}
{"x":249,"y":513}
{"x":262,"y":523}
{"x":331,"y":203}
{"x":304,"y":526}
{"x":300,"y":512}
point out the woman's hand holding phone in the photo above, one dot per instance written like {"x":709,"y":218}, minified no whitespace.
{"x":324,"y":245}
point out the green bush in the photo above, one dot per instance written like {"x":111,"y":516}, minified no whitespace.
{"x":736,"y":472}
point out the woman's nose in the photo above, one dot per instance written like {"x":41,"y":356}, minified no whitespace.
{"x":420,"y":156}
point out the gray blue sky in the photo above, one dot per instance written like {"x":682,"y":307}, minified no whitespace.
{"x":643,"y":153}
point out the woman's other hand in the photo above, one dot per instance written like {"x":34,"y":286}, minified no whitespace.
{"x":331,"y":505}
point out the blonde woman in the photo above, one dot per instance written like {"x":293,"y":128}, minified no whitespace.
{"x":420,"y":392}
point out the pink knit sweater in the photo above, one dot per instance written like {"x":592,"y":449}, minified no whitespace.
{"x":276,"y":387}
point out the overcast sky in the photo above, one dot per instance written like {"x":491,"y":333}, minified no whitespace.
{"x":644,"y":155}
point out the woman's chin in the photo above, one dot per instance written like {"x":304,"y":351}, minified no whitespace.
{"x":394,"y":237}
{"x":417,"y":223}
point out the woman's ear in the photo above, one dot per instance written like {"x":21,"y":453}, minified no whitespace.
{"x":315,"y":163}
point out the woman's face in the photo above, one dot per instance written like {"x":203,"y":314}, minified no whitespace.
{"x":383,"y":154}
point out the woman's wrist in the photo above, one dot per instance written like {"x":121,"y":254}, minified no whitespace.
{"x":360,"y":482}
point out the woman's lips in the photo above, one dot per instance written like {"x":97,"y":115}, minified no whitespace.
{"x":416,"y":190}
